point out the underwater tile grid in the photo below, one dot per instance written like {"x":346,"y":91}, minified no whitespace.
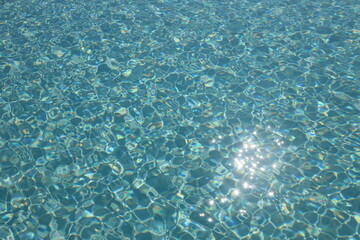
{"x":169,"y":119}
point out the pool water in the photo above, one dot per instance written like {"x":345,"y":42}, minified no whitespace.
{"x":168,"y":119}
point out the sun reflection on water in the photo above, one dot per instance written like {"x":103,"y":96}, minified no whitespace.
{"x":253,"y":166}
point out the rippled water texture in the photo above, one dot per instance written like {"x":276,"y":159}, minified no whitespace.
{"x":190,"y":120}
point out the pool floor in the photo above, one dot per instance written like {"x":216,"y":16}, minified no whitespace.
{"x":190,"y":120}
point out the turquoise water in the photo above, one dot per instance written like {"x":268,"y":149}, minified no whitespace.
{"x":165,"y":119}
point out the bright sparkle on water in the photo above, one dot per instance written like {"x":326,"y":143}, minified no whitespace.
{"x":252,"y":162}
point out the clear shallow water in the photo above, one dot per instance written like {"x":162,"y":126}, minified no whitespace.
{"x":179,"y":120}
